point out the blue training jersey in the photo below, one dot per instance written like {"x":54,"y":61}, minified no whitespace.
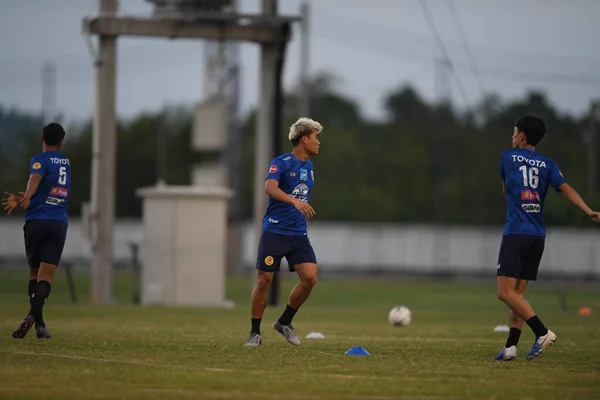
{"x":527,"y":176}
{"x":50,"y":199}
{"x":296,"y":178}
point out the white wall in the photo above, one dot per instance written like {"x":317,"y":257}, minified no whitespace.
{"x":364,"y":247}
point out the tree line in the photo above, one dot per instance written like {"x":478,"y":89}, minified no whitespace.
{"x":423,"y":163}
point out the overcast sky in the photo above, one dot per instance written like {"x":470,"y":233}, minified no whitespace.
{"x":374,"y":45}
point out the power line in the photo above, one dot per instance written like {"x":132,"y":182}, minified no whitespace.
{"x":426,"y":38}
{"x":461,"y":33}
{"x":440,"y":43}
{"x":376,"y":45}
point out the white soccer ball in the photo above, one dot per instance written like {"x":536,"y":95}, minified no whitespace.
{"x":400,"y":316}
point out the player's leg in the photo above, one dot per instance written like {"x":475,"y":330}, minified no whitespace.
{"x":33,"y":278}
{"x":304,"y":262}
{"x":42,"y":292}
{"x":259,"y":303}
{"x":507,"y":293}
{"x":33,"y":272}
{"x":531,"y":257}
{"x":32,"y":237}
{"x":50,"y":254}
{"x":516,"y":322}
{"x":267,"y":262}
{"x":307,"y":273}
{"x":509,"y":272}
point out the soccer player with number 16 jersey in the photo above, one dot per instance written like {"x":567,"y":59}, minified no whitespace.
{"x":526,"y":177}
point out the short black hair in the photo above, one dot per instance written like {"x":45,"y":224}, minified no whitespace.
{"x":533,"y":127}
{"x":53,"y":134}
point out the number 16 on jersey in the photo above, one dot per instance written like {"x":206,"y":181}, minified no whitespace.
{"x":531,"y":178}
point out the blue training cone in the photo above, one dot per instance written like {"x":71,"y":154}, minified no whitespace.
{"x":357,"y":351}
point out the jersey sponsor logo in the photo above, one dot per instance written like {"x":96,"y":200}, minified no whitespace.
{"x":269,"y":260}
{"x":531,"y":208}
{"x":54,"y":201}
{"x":36,"y":165}
{"x":292,"y":174}
{"x":535,"y":163}
{"x":57,"y":160}
{"x":273,"y":169}
{"x":300,"y":192}
{"x":59,"y":191}
{"x":303,"y":174}
{"x":530,"y":195}
{"x":273,"y":221}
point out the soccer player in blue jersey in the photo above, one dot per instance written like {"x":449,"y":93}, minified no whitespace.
{"x":45,"y":200}
{"x":526,"y":177}
{"x":289,"y":184}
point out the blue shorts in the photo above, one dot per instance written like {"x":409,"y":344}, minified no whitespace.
{"x":520,"y":256}
{"x":44,"y":241}
{"x":273,"y":247}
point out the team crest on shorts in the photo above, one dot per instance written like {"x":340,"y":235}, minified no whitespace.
{"x":269,"y":261}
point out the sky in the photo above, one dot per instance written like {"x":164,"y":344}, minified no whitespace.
{"x":373,"y":46}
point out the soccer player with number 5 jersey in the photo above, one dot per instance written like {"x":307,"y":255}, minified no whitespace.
{"x":45,"y":227}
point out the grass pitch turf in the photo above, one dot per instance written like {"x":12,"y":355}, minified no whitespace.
{"x":131,"y":352}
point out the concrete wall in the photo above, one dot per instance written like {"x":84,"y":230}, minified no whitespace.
{"x":371,"y":248}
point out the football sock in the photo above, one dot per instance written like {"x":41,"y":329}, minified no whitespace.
{"x":513,"y":337}
{"x":42,"y":291}
{"x":287,"y":316}
{"x":256,"y":325}
{"x":31,"y":291}
{"x":537,"y":326}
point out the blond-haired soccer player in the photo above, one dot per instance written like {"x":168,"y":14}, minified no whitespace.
{"x":289,"y":184}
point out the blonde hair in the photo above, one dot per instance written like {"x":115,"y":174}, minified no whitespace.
{"x":304,"y":126}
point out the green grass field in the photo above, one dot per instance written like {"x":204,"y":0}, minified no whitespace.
{"x":131,"y":352}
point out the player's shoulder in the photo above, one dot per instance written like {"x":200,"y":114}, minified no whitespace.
{"x":284,"y":160}
{"x":40,"y":157}
{"x":541,"y":160}
{"x":546,"y":159}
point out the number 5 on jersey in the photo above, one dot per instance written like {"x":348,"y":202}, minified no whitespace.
{"x":62,"y":176}
{"x":533,"y":175}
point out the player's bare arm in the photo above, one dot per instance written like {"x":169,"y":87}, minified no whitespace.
{"x":10,"y":202}
{"x":272,"y":189}
{"x":574,"y":197}
{"x":32,"y":187}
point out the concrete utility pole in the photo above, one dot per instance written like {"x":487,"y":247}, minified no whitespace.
{"x":104,"y":149}
{"x":304,"y":95}
{"x":263,"y":149}
{"x":593,"y":152}
{"x":192,"y":20}
{"x":49,"y":92}
{"x":443,"y":80}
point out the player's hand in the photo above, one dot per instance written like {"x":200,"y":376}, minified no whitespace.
{"x":305,"y":209}
{"x":595,"y":216}
{"x":10,"y":202}
{"x":24,"y":200}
